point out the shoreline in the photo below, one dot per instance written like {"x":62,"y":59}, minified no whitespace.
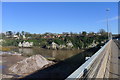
{"x":9,"y":60}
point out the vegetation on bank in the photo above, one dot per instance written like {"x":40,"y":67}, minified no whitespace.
{"x":80,"y":41}
{"x":4,"y":49}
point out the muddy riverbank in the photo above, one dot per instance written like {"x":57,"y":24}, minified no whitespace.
{"x":8,"y":61}
{"x":14,"y":64}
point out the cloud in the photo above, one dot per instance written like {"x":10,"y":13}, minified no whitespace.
{"x":110,"y":19}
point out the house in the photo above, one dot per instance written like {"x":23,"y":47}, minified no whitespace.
{"x":58,"y":36}
{"x":99,"y":34}
{"x":69,"y":45}
{"x":20,"y":44}
{"x":62,"y":46}
{"x":24,"y":37}
{"x":54,"y":45}
{"x":25,"y":44}
{"x":16,"y":36}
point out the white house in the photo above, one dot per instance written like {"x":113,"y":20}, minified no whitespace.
{"x":69,"y":45}
{"x":16,"y":36}
{"x":24,"y":37}
{"x":31,"y":44}
{"x":62,"y":46}
{"x":20,"y":44}
{"x":54,"y":45}
{"x":25,"y":44}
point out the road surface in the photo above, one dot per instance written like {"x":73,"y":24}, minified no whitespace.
{"x":115,"y":60}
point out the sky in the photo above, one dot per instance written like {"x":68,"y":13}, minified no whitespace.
{"x":58,"y":17}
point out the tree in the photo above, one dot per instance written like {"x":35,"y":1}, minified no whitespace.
{"x":18,"y":33}
{"x":91,"y":33}
{"x":23,"y":32}
{"x":27,"y":34}
{"x":65,"y":33}
{"x":9,"y":33}
{"x":102,"y":31}
{"x":81,"y":44}
{"x":84,"y":33}
{"x":71,"y":33}
{"x":2,"y":35}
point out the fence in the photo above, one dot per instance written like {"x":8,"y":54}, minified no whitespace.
{"x":91,"y":68}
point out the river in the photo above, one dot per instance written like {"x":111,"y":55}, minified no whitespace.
{"x":49,"y":54}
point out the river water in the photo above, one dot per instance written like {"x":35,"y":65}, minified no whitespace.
{"x":53,"y":54}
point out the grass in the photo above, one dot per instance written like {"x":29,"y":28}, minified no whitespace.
{"x":50,"y":59}
{"x":5,"y":49}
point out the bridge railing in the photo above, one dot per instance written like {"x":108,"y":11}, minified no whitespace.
{"x":91,"y":66}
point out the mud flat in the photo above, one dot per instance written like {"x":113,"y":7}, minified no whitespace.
{"x":7,"y":61}
{"x":14,"y":66}
{"x":29,"y":65}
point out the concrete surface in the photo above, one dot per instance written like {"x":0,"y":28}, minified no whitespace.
{"x":115,"y":60}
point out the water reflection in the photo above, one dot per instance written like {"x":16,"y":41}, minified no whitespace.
{"x":25,"y":50}
{"x":1,"y":66}
{"x":57,"y":54}
{"x":54,"y":53}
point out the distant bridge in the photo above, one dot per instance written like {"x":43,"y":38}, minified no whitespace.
{"x":105,"y":63}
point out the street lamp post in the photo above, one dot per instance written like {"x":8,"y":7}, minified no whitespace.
{"x":107,"y":10}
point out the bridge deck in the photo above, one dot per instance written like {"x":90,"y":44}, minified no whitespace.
{"x":115,"y":60}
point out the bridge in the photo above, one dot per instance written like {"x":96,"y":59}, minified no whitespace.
{"x":105,"y":63}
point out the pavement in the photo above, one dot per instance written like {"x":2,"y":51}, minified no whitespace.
{"x":115,"y":60}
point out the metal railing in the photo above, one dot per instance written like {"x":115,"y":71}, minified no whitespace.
{"x":91,"y":65}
